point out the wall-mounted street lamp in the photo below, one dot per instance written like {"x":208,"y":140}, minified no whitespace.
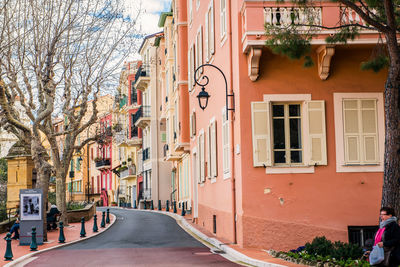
{"x":203,"y":94}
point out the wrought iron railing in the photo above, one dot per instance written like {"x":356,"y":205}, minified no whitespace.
{"x":142,"y":112}
{"x":104,"y":162}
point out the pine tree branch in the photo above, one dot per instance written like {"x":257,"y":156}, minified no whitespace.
{"x":380,"y":27}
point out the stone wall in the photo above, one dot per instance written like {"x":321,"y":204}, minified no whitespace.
{"x":76,"y":215}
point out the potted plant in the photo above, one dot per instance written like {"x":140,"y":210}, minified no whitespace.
{"x":124,"y":163}
{"x":129,"y":159}
{"x":97,"y":159}
{"x":113,"y":203}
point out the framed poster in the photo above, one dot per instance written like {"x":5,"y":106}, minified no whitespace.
{"x":31,"y":207}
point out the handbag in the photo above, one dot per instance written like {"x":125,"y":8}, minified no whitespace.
{"x":377,"y":255}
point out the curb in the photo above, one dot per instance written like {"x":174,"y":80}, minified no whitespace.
{"x":27,"y":256}
{"x":212,"y":242}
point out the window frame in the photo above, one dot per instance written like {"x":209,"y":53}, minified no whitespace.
{"x":222,"y":20}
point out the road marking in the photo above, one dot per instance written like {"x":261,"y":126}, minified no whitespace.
{"x":120,"y":218}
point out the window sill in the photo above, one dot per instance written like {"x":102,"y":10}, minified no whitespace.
{"x":341,"y":167}
{"x":291,"y":169}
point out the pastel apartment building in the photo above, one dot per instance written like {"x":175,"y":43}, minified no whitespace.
{"x":301,"y":154}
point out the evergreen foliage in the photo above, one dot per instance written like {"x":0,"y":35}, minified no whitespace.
{"x":3,"y":170}
{"x":376,"y":64}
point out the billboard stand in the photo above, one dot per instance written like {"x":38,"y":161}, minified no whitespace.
{"x":31,"y":210}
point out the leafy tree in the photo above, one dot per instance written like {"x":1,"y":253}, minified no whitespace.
{"x":56,"y":59}
{"x":293,"y":40}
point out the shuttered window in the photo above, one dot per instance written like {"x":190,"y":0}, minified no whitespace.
{"x":281,"y":137}
{"x":209,"y":36}
{"x":360,"y":131}
{"x":192,"y":124}
{"x":201,"y":155}
{"x":199,"y":51}
{"x":208,"y":145}
{"x":225,"y":145}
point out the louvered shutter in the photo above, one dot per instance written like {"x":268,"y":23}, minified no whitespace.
{"x":225,"y":142}
{"x":190,"y":69}
{"x":261,"y":134}
{"x":206,"y":31}
{"x":317,"y":132}
{"x":201,"y":48}
{"x":198,"y":163}
{"x":351,"y":130}
{"x":202,"y":159}
{"x":213,"y":137}
{"x":212,"y":35}
{"x":369,"y":131}
{"x":208,"y":144}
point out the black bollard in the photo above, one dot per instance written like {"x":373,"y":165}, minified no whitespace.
{"x":103,"y":220}
{"x":151,"y":205}
{"x":95,"y":228}
{"x":167,"y":206}
{"x":8,"y":255}
{"x":134,"y":204}
{"x":159,"y":204}
{"x":33,"y":242}
{"x":108,"y":216}
{"x":144,"y":202}
{"x":83,"y":232}
{"x":175,"y":207}
{"x":183,"y":213}
{"x":61,"y":237}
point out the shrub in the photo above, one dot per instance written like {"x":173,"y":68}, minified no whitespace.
{"x":338,"y":250}
{"x":320,"y":246}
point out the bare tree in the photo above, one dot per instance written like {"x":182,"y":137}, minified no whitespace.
{"x":383,"y":16}
{"x":57,"y":57}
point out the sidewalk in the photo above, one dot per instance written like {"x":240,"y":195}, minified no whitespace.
{"x":249,"y":256}
{"x":71,"y":233}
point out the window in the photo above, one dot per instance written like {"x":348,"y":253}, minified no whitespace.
{"x":223,"y":18}
{"x":213,"y":148}
{"x":78,"y":164}
{"x":360,"y":234}
{"x":209,"y":32}
{"x":190,"y":11}
{"x":200,"y":159}
{"x":226,"y":145}
{"x":199,"y":51}
{"x":192,"y":124}
{"x":197,"y":4}
{"x":289,"y":134}
{"x":286,"y":124}
{"x":359,"y":131}
{"x":191,"y":69}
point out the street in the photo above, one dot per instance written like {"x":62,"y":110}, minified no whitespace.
{"x":136,"y":239}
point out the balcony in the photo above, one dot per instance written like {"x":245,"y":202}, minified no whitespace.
{"x":103,"y":164}
{"x":142,"y":77}
{"x":146,"y":154}
{"x":254,"y":15}
{"x":130,"y":172}
{"x":169,"y":155}
{"x":142,"y":117}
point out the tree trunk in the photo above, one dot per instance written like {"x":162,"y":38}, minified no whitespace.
{"x":43,"y":169}
{"x":61,"y":196}
{"x":391,"y":181}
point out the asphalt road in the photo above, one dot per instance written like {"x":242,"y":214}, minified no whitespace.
{"x":137,"y":238}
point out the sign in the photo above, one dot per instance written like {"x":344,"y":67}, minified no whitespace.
{"x":31,"y":208}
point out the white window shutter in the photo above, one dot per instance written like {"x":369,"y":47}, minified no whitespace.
{"x":369,"y":131}
{"x":202,"y":159}
{"x":351,"y":130}
{"x":317,"y":132}
{"x":198,"y":163}
{"x":261,"y":134}
{"x":208,"y":152}
{"x":191,"y":125}
{"x":192,"y":67}
{"x":214,"y":167}
{"x":212,"y":35}
{"x":201,"y":49}
{"x":206,"y":37}
{"x":225,"y":143}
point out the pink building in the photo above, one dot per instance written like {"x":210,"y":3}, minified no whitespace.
{"x":301,"y":155}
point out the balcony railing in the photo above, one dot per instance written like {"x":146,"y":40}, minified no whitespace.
{"x":143,"y":71}
{"x":102,"y":164}
{"x":285,"y":16}
{"x":128,"y":172}
{"x":143,"y":112}
{"x":146,"y":154}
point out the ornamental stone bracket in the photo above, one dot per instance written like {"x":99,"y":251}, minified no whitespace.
{"x":253,"y":62}
{"x":324,"y":54}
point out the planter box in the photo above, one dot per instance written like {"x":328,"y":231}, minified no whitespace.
{"x":76,"y":215}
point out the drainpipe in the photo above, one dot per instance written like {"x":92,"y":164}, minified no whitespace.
{"x":233,"y":180}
